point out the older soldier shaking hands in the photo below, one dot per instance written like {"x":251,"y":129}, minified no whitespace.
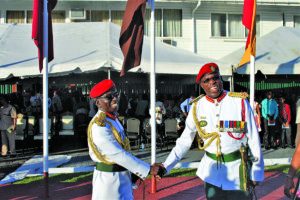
{"x":110,"y":149}
{"x":225,"y":125}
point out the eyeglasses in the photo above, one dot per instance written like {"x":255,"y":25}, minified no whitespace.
{"x":111,"y":96}
{"x":215,"y":78}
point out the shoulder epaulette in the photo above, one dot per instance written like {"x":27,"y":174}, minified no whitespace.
{"x":243,"y":95}
{"x":196,"y":99}
{"x":100,"y":121}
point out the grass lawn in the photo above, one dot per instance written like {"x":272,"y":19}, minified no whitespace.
{"x":88,"y":176}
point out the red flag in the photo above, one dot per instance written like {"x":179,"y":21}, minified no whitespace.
{"x":249,"y":21}
{"x":132,"y":34}
{"x":38,"y":31}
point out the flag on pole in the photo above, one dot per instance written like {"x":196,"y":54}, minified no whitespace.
{"x":37,"y":29}
{"x":249,"y":21}
{"x":132,"y":34}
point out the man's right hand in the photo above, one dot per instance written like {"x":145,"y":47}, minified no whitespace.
{"x":158,"y":170}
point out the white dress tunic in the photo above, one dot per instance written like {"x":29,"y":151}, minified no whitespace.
{"x":213,"y":111}
{"x":114,"y":185}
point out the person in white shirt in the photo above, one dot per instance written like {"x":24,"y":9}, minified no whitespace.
{"x":225,"y":123}
{"x":109,"y":147}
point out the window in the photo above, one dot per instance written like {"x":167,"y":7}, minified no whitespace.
{"x":117,"y":17}
{"x":15,"y":17}
{"x":58,"y":16}
{"x":168,"y":23}
{"x":100,"y":16}
{"x":158,"y":21}
{"x":218,"y":25}
{"x":297,"y":21}
{"x":235,"y":26}
{"x":231,"y":26}
{"x":29,"y":16}
{"x":172,"y":23}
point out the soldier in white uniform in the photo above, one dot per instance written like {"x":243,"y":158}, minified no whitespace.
{"x":110,"y":149}
{"x":225,"y":122}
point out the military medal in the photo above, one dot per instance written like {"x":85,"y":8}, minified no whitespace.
{"x":234,"y":127}
{"x":242,"y":126}
{"x":238,"y":128}
{"x":230,"y":126}
{"x":221,"y":125}
{"x":226,"y":128}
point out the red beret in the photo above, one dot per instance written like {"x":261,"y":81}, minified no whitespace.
{"x":101,"y":88}
{"x":207,"y":69}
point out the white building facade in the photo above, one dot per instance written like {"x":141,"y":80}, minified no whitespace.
{"x":210,"y":28}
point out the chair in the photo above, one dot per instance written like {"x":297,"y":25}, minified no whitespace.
{"x":31,"y":126}
{"x":147,"y":132}
{"x":38,"y":137}
{"x":21,"y":132}
{"x":67,"y":125}
{"x":133,"y":130}
{"x":81,"y":123}
{"x":170,"y":129}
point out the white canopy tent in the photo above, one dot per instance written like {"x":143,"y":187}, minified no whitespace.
{"x":88,"y":47}
{"x":276,"y":53}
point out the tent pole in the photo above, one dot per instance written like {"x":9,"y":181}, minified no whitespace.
{"x":108,"y":73}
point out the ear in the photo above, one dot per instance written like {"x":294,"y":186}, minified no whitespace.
{"x":96,"y":101}
{"x":201,"y":85}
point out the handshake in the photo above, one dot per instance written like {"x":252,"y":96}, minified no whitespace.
{"x":157,"y":170}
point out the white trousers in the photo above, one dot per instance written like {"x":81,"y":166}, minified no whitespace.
{"x":112,"y":186}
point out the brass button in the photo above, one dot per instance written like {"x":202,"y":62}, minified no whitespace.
{"x":217,"y":115}
{"x":217,"y":126}
{"x":217,"y":104}
{"x":143,"y":177}
{"x":136,"y":173}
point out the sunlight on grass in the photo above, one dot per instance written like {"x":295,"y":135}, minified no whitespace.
{"x":88,"y":176}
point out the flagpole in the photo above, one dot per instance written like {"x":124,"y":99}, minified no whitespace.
{"x":45,"y":99}
{"x":252,"y":81}
{"x":152,"y":93}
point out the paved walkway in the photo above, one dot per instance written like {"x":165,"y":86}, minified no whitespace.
{"x":190,"y":188}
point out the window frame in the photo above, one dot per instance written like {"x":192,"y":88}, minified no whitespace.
{"x":258,"y":23}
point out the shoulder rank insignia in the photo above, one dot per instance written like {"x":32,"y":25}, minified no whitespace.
{"x":243,"y":95}
{"x":196,"y":99}
{"x":101,"y":119}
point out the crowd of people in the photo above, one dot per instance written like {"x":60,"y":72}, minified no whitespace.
{"x":275,"y":117}
{"x":275,"y":114}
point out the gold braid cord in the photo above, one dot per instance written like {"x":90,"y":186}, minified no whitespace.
{"x":100,"y":121}
{"x":207,"y":136}
{"x":196,"y":99}
{"x":243,"y":95}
